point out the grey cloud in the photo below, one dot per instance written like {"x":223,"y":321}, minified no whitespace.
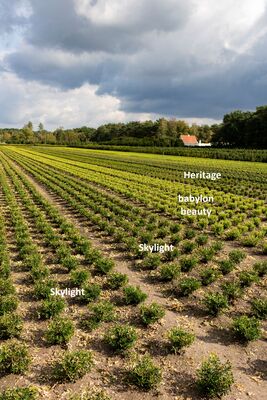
{"x":8,"y":16}
{"x":153,"y":62}
{"x":57,"y":24}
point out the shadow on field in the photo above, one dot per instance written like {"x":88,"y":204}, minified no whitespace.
{"x":257,"y":367}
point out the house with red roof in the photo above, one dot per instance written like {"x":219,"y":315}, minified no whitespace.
{"x":191,"y":141}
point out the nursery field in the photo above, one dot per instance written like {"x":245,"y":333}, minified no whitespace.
{"x":131,"y":276}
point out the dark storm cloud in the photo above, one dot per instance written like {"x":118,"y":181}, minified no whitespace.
{"x":58,"y":24}
{"x":155,"y":56}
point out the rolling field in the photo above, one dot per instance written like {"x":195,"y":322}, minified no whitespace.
{"x":84,"y":307}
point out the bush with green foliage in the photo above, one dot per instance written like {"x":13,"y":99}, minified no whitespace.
{"x":246,"y":328}
{"x":180,"y":338}
{"x":259,"y":308}
{"x":121,"y":337}
{"x":145,"y":374}
{"x":168,"y":272}
{"x":91,"y":395}
{"x":246,"y":278}
{"x":233,"y":234}
{"x":226,"y":266}
{"x":209,"y":275}
{"x":73,"y":366}
{"x":260,"y":268}
{"x":187,"y":286}
{"x":116,"y":280}
{"x":91,"y":292}
{"x":151,"y":261}
{"x":151,"y":313}
{"x":134,"y":295}
{"x":206,"y":254}
{"x":51,"y":307}
{"x":232,"y":291}
{"x":14,"y":358}
{"x":8,"y":303}
{"x":23,"y":393}
{"x":202,"y":239}
{"x":187,"y":263}
{"x":6,"y":287}
{"x":79,"y":277}
{"x":60,"y":331}
{"x":101,"y":312}
{"x":188,"y":246}
{"x":215,"y":302}
{"x":42,"y":288}
{"x":236,"y":256}
{"x":10,"y":326}
{"x":104,"y":266}
{"x":215,"y":379}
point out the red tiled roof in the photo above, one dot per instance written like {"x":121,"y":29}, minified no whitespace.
{"x":189,"y":139}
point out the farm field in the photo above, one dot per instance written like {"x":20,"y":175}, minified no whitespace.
{"x":73,"y":220}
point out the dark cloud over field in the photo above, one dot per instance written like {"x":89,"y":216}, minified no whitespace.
{"x":132,"y":58}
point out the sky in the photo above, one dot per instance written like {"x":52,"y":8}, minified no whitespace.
{"x":72,"y":63}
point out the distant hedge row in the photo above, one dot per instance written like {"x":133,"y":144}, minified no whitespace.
{"x":223,"y":154}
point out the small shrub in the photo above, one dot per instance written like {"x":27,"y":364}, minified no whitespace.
{"x":206,"y":254}
{"x":236,"y":256}
{"x":8,"y":303}
{"x":73,"y":366}
{"x":116,"y":280}
{"x":10,"y":326}
{"x":260,"y":268}
{"x":180,"y":338}
{"x":91,"y":292}
{"x":6,"y":287}
{"x":188,"y":246}
{"x":174,"y":228}
{"x":232,"y":291}
{"x":202,"y":239}
{"x":246,"y":328}
{"x":217,"y":246}
{"x":232,"y":234}
{"x":208,"y":276}
{"x":101,"y":312}
{"x":151,"y":261}
{"x":79,"y":276}
{"x":104,"y":266}
{"x":188,"y":263}
{"x":134,"y":295}
{"x":264,"y":248}
{"x":42,"y":288}
{"x":171,"y":255}
{"x":51,"y":307}
{"x":250,"y":241}
{"x":226,"y":266}
{"x":121,"y":337}
{"x":169,"y":271}
{"x":259,"y":308}
{"x":14,"y":358}
{"x":246,"y":278}
{"x":26,"y":393}
{"x":91,"y":395}
{"x":214,"y":379}
{"x":60,"y":331}
{"x":189,"y":234}
{"x":145,"y":374}
{"x":215,"y":302}
{"x":151,"y":313}
{"x":38,"y":273}
{"x":188,"y":286}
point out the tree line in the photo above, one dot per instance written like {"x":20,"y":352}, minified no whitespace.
{"x":239,"y":129}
